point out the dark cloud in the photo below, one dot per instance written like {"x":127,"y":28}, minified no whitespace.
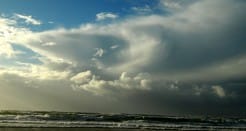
{"x":213,"y":38}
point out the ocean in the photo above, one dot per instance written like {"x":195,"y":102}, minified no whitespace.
{"x":58,"y":121}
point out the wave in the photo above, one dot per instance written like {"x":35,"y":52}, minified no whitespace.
{"x":129,"y":121}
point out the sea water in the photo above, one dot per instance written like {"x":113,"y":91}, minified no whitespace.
{"x":32,"y":119}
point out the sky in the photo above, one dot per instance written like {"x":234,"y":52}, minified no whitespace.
{"x":169,"y":57}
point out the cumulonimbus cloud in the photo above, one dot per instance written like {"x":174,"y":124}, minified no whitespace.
{"x":196,"y":44}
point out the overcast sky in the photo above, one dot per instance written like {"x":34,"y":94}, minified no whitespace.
{"x":171,"y":57}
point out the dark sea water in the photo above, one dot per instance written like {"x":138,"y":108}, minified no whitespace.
{"x":60,"y":121}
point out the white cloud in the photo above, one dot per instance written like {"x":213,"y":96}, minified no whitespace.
{"x":8,"y":34}
{"x":176,"y":5}
{"x":142,"y":10}
{"x":5,"y":21}
{"x":49,"y":44}
{"x":218,"y":90}
{"x":172,"y":4}
{"x":99,"y":52}
{"x":114,"y":47}
{"x":92,"y":83}
{"x":29,"y":19}
{"x":106,"y":15}
{"x":56,"y":64}
{"x":32,"y":71}
{"x":82,"y":78}
{"x":7,"y":50}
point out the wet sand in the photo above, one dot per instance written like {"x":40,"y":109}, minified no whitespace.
{"x":67,"y":129}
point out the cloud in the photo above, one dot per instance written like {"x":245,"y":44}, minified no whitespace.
{"x":55,"y":64}
{"x":7,"y":35}
{"x":31,"y":71}
{"x":218,"y":90}
{"x":142,"y":10}
{"x":5,"y":21}
{"x":105,"y":15}
{"x":114,"y":47}
{"x":99,"y":52}
{"x":83,"y":77}
{"x":163,"y":46}
{"x":49,"y":44}
{"x":172,"y":6}
{"x":167,"y":47}
{"x":28,"y":19}
{"x":92,"y":83}
{"x":7,"y":51}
